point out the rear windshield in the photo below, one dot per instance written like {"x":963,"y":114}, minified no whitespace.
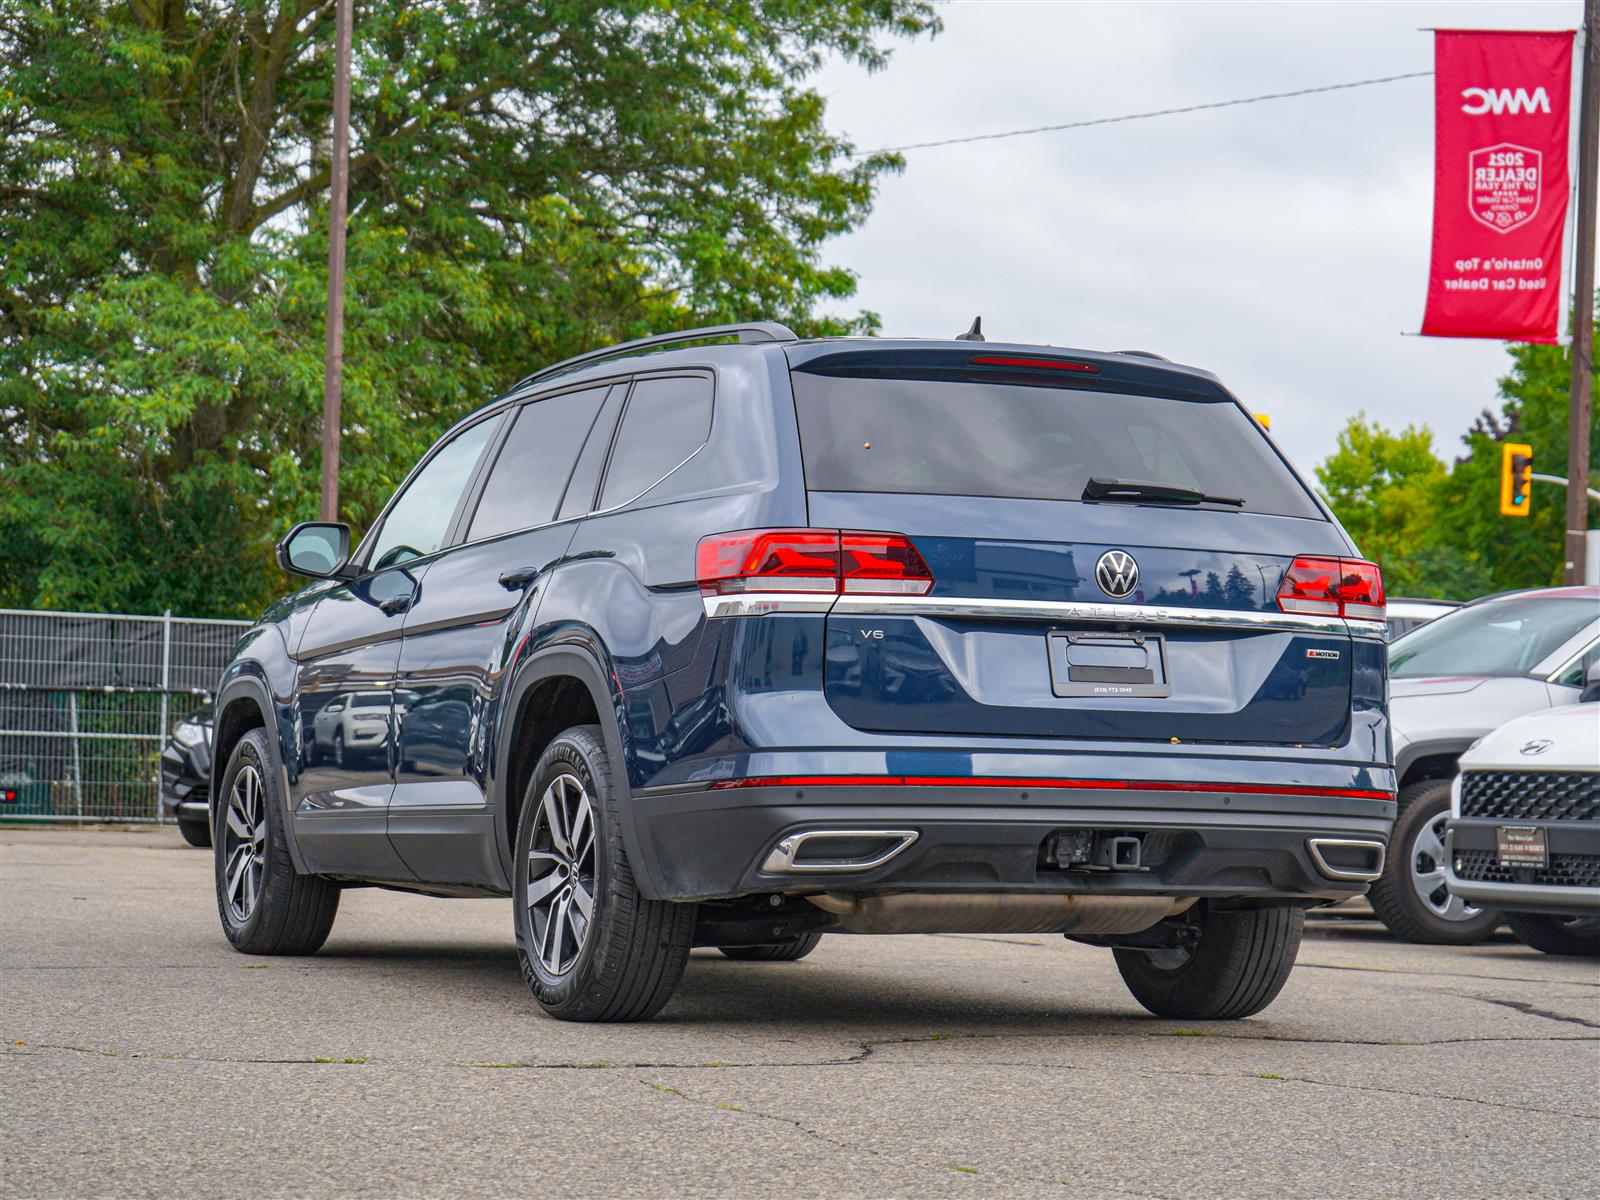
{"x":1499,"y":637}
{"x":937,"y":437}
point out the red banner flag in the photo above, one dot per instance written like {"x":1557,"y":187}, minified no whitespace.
{"x":1501,"y":104}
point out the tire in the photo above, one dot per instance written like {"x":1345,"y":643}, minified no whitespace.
{"x":269,"y":908}
{"x":622,"y":961}
{"x":1416,"y":861}
{"x":338,"y":748}
{"x":196,"y":833}
{"x":775,"y":951}
{"x":1556,"y":935}
{"x":1237,"y":968}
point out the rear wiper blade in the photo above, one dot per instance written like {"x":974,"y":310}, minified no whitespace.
{"x":1100,"y":487}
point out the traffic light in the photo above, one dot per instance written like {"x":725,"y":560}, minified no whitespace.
{"x":1516,"y":478}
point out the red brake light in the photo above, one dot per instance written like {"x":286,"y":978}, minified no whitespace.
{"x":769,"y":560}
{"x":883,"y":562}
{"x":1033,"y":364}
{"x":810,"y":560}
{"x":1333,"y":587}
{"x":1361,"y":590}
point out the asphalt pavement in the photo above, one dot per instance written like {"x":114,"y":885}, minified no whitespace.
{"x":144,"y":1057}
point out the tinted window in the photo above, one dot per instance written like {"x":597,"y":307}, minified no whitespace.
{"x":528,"y":477}
{"x":420,"y":518}
{"x":1499,"y":637}
{"x":586,"y":475}
{"x":1035,"y":443}
{"x":665,"y":422}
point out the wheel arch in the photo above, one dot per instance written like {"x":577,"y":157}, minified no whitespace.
{"x":1428,"y":760}
{"x":243,"y":703}
{"x":554,"y":689}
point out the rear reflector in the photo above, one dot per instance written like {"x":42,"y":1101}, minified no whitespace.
{"x":1034,"y":364}
{"x":811,"y":560}
{"x":1004,"y":781}
{"x":1333,"y":587}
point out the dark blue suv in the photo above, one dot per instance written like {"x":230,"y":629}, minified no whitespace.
{"x":732,"y":639}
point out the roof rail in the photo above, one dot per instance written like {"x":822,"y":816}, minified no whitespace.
{"x":751,"y":332}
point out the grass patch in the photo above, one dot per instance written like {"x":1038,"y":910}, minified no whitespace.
{"x":341,"y":1061}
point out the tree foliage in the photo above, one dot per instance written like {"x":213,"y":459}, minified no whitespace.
{"x":1436,"y":528}
{"x":527,"y":180}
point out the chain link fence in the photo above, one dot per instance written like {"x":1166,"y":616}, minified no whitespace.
{"x":87,"y":701}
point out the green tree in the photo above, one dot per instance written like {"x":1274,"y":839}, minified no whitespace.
{"x":1384,"y":489}
{"x":1516,"y":552}
{"x":527,"y":180}
{"x":1436,"y":528}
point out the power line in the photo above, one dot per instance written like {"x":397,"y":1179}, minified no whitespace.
{"x":1160,"y":112}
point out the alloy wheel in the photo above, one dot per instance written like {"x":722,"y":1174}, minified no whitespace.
{"x":561,"y":874}
{"x":244,"y":844}
{"x":1427,"y":873}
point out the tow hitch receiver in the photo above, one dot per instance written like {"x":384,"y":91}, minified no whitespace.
{"x":1095,"y":850}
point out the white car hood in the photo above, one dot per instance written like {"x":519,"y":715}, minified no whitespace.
{"x":1557,"y":739}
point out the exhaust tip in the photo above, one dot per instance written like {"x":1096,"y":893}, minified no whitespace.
{"x":1347,"y":858}
{"x":836,"y":850}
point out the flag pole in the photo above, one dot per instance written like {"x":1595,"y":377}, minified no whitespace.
{"x":1583,"y":301}
{"x":338,"y":183}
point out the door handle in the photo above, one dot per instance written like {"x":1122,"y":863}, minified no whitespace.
{"x":395,"y":604}
{"x":520,"y":578}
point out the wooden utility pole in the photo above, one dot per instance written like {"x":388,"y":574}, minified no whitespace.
{"x":1583,"y":299}
{"x":338,"y":186}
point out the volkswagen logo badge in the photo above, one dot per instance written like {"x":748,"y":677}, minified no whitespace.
{"x":1117,"y":574}
{"x":1537,"y":746}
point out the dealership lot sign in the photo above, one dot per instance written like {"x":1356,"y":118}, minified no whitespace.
{"x":1501,"y":105}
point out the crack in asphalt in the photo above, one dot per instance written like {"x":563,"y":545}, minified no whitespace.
{"x":1447,"y":975}
{"x":856,"y":1147}
{"x":1530,"y":1010}
{"x":1367,"y":1087}
{"x":867,"y":1048}
{"x":22,"y":1049}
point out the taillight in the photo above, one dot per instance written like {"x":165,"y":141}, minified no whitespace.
{"x":769,"y":560}
{"x":1333,"y":587}
{"x":882,"y":562}
{"x":810,"y":560}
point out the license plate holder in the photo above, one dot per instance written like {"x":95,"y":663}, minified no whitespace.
{"x":1109,"y":664}
{"x":1521,"y":846}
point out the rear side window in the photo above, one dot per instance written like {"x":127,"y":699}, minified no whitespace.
{"x":936,"y":437}
{"x":531,"y":472}
{"x":665,"y":422}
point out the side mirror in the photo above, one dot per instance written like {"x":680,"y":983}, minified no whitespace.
{"x":320,"y":549}
{"x":1591,"y":684}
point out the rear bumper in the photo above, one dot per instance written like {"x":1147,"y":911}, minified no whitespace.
{"x":1569,"y":886}
{"x":717,"y":843}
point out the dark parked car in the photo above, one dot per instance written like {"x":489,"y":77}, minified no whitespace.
{"x":186,"y":776}
{"x":735,"y":645}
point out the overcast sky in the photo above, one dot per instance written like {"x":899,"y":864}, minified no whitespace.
{"x":1283,"y":245}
